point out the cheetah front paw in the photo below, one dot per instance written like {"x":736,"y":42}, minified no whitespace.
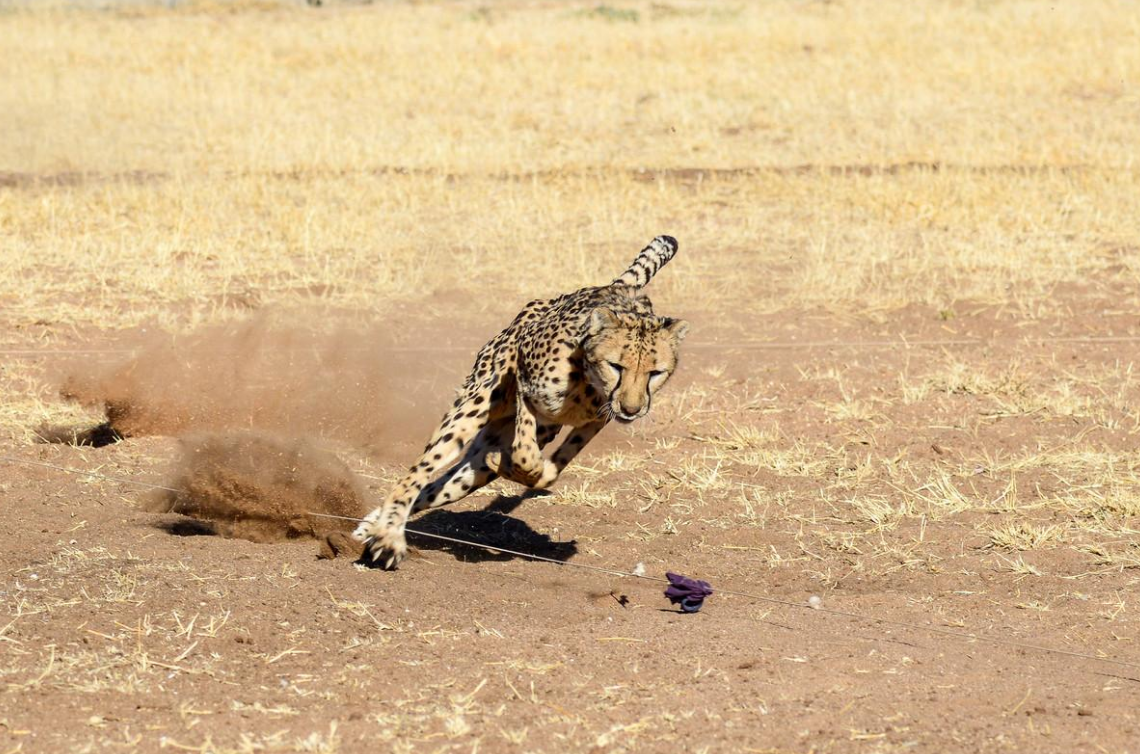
{"x":383,"y":545}
{"x":549,"y":476}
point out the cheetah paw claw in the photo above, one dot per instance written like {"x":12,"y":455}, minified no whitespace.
{"x":383,"y":546}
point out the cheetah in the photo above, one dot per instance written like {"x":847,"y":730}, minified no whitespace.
{"x":578,"y":361}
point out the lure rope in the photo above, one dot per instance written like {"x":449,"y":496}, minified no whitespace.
{"x":959,"y":635}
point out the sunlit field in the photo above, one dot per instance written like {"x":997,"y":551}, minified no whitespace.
{"x":844,"y":156}
{"x":910,"y":255}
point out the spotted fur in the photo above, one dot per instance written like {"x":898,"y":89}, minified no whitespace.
{"x":578,"y":361}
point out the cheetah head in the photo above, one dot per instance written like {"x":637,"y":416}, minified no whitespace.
{"x":629,"y":357}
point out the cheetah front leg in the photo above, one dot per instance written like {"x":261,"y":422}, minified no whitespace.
{"x":526,"y":464}
{"x":572,"y":446}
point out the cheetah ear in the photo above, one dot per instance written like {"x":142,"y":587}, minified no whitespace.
{"x":602,"y":318}
{"x":678,"y":328}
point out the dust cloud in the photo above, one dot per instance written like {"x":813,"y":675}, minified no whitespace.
{"x":268,"y":373}
{"x":257,"y":406}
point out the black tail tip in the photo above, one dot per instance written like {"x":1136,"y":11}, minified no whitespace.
{"x":668,"y":241}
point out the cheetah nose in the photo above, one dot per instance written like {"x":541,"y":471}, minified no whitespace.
{"x":629,"y":410}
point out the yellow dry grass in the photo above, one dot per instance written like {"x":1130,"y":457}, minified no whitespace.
{"x":169,"y":165}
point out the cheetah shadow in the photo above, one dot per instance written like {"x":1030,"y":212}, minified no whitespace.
{"x":493,"y":527}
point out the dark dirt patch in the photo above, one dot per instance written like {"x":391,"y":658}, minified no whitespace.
{"x":74,"y":178}
{"x":71,"y":178}
{"x":96,"y":437}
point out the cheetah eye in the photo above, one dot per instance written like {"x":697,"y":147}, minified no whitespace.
{"x":655,"y":373}
{"x":616,"y":367}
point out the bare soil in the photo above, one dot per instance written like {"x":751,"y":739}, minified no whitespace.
{"x":140,"y":630}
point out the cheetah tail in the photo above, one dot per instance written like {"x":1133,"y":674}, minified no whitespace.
{"x":651,"y":259}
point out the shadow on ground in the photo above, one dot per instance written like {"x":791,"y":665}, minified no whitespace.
{"x":493,"y":527}
{"x":188,"y":527}
{"x":98,"y":436}
{"x":484,"y":532}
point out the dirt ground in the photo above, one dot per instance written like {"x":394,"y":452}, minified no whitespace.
{"x":787,"y":467}
{"x":248,"y":249}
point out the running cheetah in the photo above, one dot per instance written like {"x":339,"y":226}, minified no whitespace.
{"x":578,"y":360}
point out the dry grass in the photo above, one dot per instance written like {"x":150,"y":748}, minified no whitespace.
{"x":190,"y":163}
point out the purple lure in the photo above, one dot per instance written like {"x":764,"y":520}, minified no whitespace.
{"x":688,"y":593}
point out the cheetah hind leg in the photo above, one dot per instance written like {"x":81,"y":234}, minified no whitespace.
{"x":382,"y":530}
{"x":471,"y":472}
{"x":537,"y":479}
